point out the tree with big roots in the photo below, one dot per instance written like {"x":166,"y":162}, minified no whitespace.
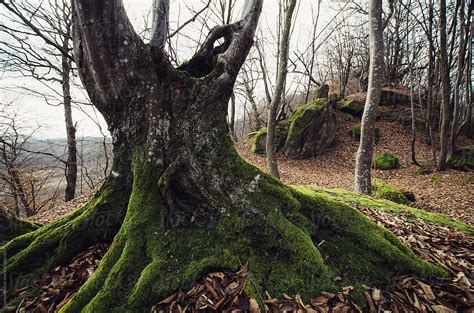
{"x":180,"y":200}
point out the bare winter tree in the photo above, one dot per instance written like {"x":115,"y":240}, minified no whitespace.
{"x":279,"y":87}
{"x":365,"y":152}
{"x":445,"y":88}
{"x":25,"y":181}
{"x":38,"y":43}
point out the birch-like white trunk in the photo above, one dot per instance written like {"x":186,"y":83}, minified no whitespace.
{"x":366,"y":146}
{"x":279,"y":89}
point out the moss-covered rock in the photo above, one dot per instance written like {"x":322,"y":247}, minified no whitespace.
{"x":322,"y":91}
{"x":352,"y":106}
{"x":356,"y":130}
{"x":386,"y":161}
{"x":312,"y":129}
{"x":462,"y":159}
{"x":393,"y":97}
{"x":333,"y":98}
{"x":260,"y":139}
{"x":385,"y":191}
{"x":388,"y":97}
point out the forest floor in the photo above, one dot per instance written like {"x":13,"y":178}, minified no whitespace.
{"x":450,"y":192}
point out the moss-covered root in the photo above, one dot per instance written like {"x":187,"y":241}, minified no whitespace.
{"x":275,"y":228}
{"x":11,"y":226}
{"x":34,"y":253}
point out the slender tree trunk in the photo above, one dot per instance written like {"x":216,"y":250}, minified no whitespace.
{"x":445,"y":89}
{"x":459,"y":77}
{"x":71,"y":163}
{"x":413,"y":119}
{"x":429,"y":109}
{"x":279,"y":89}
{"x":469,"y":89}
{"x":366,"y":146}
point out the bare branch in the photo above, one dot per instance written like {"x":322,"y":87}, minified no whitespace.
{"x":161,"y":11}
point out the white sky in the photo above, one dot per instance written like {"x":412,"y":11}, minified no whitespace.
{"x":51,"y":118}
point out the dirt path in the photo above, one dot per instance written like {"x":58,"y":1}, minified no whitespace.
{"x":450,"y":192}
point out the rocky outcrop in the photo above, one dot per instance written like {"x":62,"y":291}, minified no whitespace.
{"x":260,"y":139}
{"x":386,"y":161}
{"x":312,"y":129}
{"x":354,"y":104}
{"x":353,"y":107}
{"x":462,"y":159}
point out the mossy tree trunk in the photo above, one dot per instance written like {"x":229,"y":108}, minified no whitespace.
{"x":180,"y":200}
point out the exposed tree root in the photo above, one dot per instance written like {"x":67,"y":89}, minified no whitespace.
{"x":11,"y":226}
{"x":293,"y":240}
{"x":36,"y":252}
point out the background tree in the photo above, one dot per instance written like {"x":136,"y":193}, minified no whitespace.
{"x":37,"y":43}
{"x":28,"y":184}
{"x":445,"y":88}
{"x":279,"y":87}
{"x":363,"y":179}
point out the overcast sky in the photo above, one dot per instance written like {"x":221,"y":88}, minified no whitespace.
{"x":51,"y":119}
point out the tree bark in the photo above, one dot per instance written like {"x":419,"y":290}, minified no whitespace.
{"x":232,"y":118}
{"x":279,"y":89}
{"x":366,"y":146}
{"x":445,"y":89}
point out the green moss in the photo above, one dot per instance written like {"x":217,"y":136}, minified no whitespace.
{"x":435,"y":178}
{"x":312,"y":128}
{"x":333,"y":98}
{"x":294,"y":239}
{"x":423,"y":170}
{"x":355,"y":246}
{"x":260,"y":138}
{"x":383,"y":190}
{"x":273,"y":227}
{"x":469,"y":179}
{"x":386,"y":161}
{"x":11,"y":227}
{"x":301,"y":113}
{"x":356,"y":131}
{"x":251,"y":135}
{"x":462,"y":159}
{"x":389,"y":206}
{"x":322,"y":92}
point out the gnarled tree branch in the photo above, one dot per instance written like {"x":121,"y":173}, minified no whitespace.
{"x":238,"y":39}
{"x":109,"y":54}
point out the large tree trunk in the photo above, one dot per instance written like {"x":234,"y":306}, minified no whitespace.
{"x":365,"y":152}
{"x":180,"y":200}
